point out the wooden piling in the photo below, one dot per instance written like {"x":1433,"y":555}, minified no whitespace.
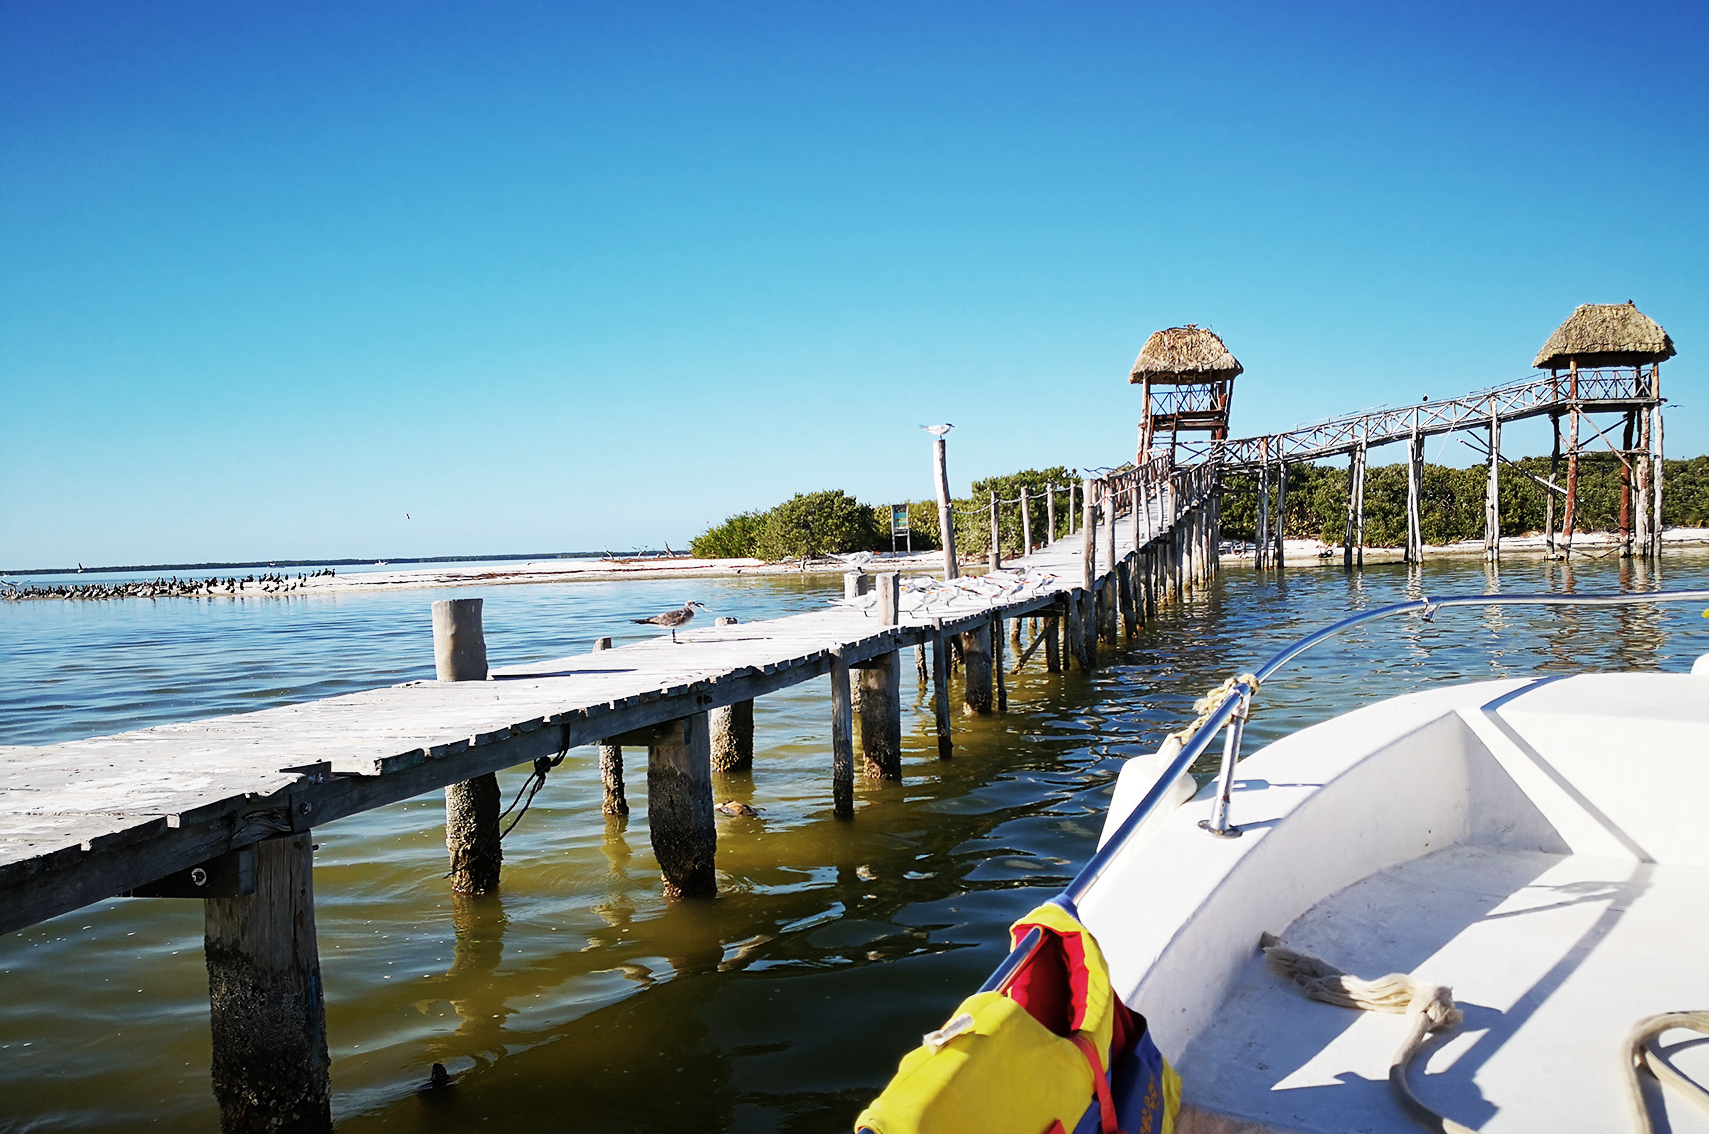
{"x":1359,"y":508}
{"x":1261,"y":537}
{"x":996,"y":536}
{"x":471,"y":807}
{"x":997,"y":674}
{"x":1569,"y":513}
{"x":270,"y":1064}
{"x":880,"y":716}
{"x":1656,"y":467}
{"x":1053,"y":644}
{"x":679,"y":806}
{"x":946,"y":516}
{"x":940,"y":691}
{"x":1626,"y":455}
{"x":1125,"y":593}
{"x":842,"y":738}
{"x":1641,"y":477}
{"x":614,"y":801}
{"x":1050,"y":514}
{"x":976,"y":668}
{"x":1554,"y":478}
{"x":855,"y":584}
{"x":1088,"y":623}
{"x":732,"y":728}
{"x":1415,"y":494}
{"x":1281,"y":512}
{"x":1026,"y":523}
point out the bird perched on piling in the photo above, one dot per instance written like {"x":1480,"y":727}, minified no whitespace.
{"x":938,"y":430}
{"x":671,"y":619}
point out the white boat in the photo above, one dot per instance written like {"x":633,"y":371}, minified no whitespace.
{"x":1528,"y":858}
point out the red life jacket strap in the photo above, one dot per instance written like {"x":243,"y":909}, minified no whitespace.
{"x":1100,"y":1085}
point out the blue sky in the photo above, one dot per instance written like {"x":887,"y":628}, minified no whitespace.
{"x":571,"y":276}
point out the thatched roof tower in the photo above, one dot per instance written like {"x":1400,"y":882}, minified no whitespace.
{"x":1604,"y":334}
{"x":1186,"y":355}
{"x":1201,"y":371}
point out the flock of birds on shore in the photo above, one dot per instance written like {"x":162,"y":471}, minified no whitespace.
{"x":174,"y":587}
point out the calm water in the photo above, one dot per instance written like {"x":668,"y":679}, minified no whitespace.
{"x":579,"y":999}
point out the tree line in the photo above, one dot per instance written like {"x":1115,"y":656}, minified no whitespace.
{"x":814,"y":524}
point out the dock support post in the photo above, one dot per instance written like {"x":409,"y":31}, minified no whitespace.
{"x":1053,"y":643}
{"x":1352,"y":510}
{"x":1359,"y":508}
{"x":1492,"y":489}
{"x":1641,"y":474}
{"x":268,"y":1014}
{"x":614,"y":801}
{"x":1088,"y":623}
{"x":842,"y":738}
{"x":471,"y":807}
{"x":1569,"y":517}
{"x":997,"y":662}
{"x":1050,"y":514}
{"x":1656,"y":471}
{"x":1554,"y":478}
{"x":733,"y":728}
{"x":1626,"y":457}
{"x":1281,"y":512}
{"x":881,"y":718}
{"x":940,"y":690}
{"x":996,"y":536}
{"x":679,"y":807}
{"x":1261,"y":537}
{"x":946,"y":516}
{"x":1125,"y":594}
{"x":1415,"y":494}
{"x":976,"y":667}
{"x":1108,"y":594}
{"x":1026,"y":523}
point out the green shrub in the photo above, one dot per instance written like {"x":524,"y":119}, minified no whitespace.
{"x":821,"y":523}
{"x":735,"y":538}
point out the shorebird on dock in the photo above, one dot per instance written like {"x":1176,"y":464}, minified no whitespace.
{"x":671,"y":619}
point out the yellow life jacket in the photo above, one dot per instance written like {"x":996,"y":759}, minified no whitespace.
{"x":1035,"y":1056}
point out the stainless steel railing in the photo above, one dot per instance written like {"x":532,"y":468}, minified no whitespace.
{"x":1230,"y":713}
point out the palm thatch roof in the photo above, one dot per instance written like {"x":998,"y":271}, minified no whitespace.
{"x":1184,"y":354}
{"x":1605,"y":334}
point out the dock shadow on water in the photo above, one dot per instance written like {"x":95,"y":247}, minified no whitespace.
{"x":578,"y":998}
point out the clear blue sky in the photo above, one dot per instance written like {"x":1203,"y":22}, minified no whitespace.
{"x":567,"y":276}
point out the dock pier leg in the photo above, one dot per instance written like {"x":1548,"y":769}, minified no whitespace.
{"x":471,"y":807}
{"x":997,"y":662}
{"x":270,"y":1065}
{"x":842,"y":738}
{"x":732,"y":730}
{"x":613,"y":801}
{"x":940,"y":692}
{"x":679,"y":807}
{"x":1053,"y":644}
{"x":881,"y":718}
{"x":1415,"y":497}
{"x":976,"y":663}
{"x":1125,"y":592}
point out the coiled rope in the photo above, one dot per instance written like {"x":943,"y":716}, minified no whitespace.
{"x":1639,"y":1054}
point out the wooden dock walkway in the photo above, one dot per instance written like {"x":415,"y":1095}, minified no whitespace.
{"x":221,"y":808}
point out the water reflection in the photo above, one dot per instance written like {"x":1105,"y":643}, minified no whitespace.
{"x":477,"y":994}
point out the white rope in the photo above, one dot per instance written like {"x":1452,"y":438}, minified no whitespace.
{"x":1639,"y":1054}
{"x":1428,"y":1008}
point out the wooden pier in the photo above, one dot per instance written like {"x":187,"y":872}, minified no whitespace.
{"x":221,"y":809}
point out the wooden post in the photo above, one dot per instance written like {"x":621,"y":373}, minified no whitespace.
{"x":922,"y":667}
{"x":1364,"y":463}
{"x":996,"y":544}
{"x":881,"y":717}
{"x":997,"y":662}
{"x":976,"y":667}
{"x":1261,"y":540}
{"x":1026,"y":523}
{"x":1050,"y":514}
{"x":1072,"y":511}
{"x":1626,"y":456}
{"x":946,"y":514}
{"x":1656,"y":472}
{"x":614,"y":801}
{"x":1125,"y":594}
{"x":940,"y":690}
{"x":856,"y":584}
{"x":1492,"y":489}
{"x":1089,"y":584}
{"x":1554,"y":478}
{"x":679,"y":807}
{"x":270,"y":1065}
{"x":1352,"y":510}
{"x":1641,"y":507}
{"x":1415,"y":494}
{"x":733,"y":728}
{"x":1569,"y":517}
{"x":1053,"y":644}
{"x":842,"y":738}
{"x":471,"y":807}
{"x":1281,"y":511}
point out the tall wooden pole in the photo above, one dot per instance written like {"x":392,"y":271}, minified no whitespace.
{"x":842,"y":738}
{"x":1569,"y":519}
{"x":1492,"y":489}
{"x":1641,"y":508}
{"x":1026,"y":523}
{"x":1261,"y":537}
{"x":1352,"y":510}
{"x":1656,"y":477}
{"x":1626,"y":459}
{"x":996,"y":536}
{"x":1089,"y":582}
{"x":1050,"y":514}
{"x":940,"y":691}
{"x":946,"y":514}
{"x":1415,"y":495}
{"x":471,"y":807}
{"x":1554,"y":478}
{"x":1359,"y":541}
{"x":1281,"y":511}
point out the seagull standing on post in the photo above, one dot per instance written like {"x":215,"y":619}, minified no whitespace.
{"x":671,"y":619}
{"x":938,"y":430}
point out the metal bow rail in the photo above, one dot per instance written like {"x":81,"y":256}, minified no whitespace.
{"x":1227,"y":709}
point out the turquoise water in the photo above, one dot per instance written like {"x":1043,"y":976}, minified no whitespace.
{"x":578,"y":998}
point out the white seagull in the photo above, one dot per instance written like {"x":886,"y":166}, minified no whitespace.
{"x":671,"y":619}
{"x":938,"y":430}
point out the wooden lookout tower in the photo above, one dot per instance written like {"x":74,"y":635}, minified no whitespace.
{"x":1187,"y":375}
{"x":1607,"y":358}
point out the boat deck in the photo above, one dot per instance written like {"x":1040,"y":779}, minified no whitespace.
{"x":1551,"y":957}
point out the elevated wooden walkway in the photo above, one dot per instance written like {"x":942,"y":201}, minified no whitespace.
{"x":221,"y":808}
